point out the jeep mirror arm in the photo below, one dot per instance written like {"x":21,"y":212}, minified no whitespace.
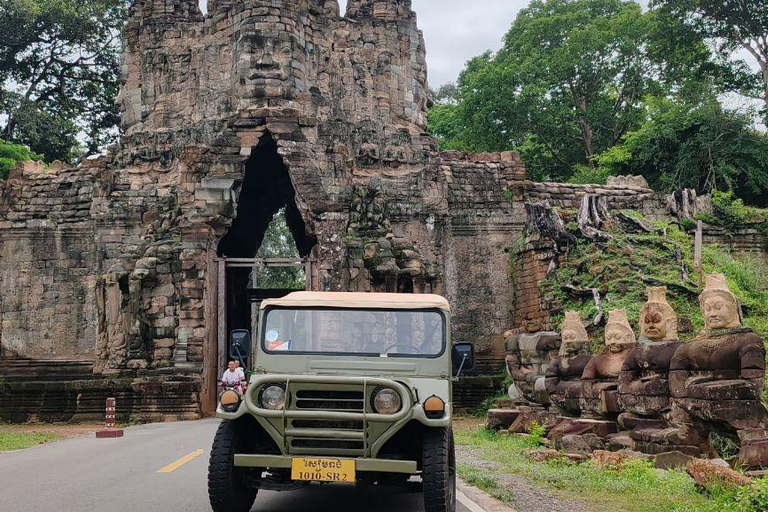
{"x":239,"y":345}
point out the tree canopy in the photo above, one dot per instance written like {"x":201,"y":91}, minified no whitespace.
{"x":733,"y":25}
{"x":59,"y":73}
{"x":586,"y":88}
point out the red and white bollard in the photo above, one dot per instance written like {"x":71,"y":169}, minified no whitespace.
{"x":110,"y":430}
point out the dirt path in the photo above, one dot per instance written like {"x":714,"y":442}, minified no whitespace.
{"x":527,"y":497}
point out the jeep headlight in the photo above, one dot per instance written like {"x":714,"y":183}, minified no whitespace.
{"x":386,"y":401}
{"x":272,"y":397}
{"x":230,"y":401}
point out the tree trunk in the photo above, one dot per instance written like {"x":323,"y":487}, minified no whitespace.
{"x":544,"y":222}
{"x":592,"y":212}
{"x":586,"y":135}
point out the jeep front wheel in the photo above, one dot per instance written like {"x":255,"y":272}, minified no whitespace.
{"x":439,"y":470}
{"x":228,"y":488}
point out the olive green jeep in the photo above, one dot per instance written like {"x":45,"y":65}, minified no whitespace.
{"x":346,"y":388}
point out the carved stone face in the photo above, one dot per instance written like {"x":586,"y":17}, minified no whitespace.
{"x":720,"y":313}
{"x":574,"y":336}
{"x":618,"y":339}
{"x":653,"y":325}
{"x":571,"y":342}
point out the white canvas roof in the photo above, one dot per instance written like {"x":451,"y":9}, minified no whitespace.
{"x":352,"y":300}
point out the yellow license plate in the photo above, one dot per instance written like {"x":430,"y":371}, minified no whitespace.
{"x":323,"y":470}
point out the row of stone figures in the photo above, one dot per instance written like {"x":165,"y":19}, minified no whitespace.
{"x":661,"y":393}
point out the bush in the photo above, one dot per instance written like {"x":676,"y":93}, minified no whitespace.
{"x":731,"y":212}
{"x":753,"y":498}
{"x":584,"y":175}
{"x":11,"y":153}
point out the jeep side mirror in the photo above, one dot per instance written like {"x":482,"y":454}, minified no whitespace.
{"x":463,"y":357}
{"x":239,"y":344}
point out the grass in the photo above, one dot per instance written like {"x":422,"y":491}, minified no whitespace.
{"x":13,"y":440}
{"x":636,"y":488}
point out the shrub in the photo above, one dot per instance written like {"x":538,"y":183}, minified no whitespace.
{"x":536,"y":433}
{"x":753,"y":498}
{"x":584,"y":175}
{"x":11,"y":153}
{"x":731,"y":212}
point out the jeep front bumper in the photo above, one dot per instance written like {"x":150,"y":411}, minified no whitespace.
{"x":362,"y":465}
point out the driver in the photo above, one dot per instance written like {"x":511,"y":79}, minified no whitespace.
{"x":233,"y":378}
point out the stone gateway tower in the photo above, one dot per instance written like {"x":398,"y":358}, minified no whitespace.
{"x":123,"y":276}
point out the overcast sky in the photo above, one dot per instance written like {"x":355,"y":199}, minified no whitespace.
{"x":457,"y":30}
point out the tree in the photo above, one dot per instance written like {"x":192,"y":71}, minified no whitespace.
{"x":59,"y":73}
{"x":567,"y":84}
{"x":733,"y":25}
{"x":703,"y":147}
{"x":279,"y":243}
{"x":10,"y":154}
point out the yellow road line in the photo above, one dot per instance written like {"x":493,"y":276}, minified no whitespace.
{"x":173,"y":466}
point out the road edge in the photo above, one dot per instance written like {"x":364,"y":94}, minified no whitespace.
{"x":477,"y":500}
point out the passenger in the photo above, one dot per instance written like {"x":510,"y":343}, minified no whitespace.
{"x":243,"y":380}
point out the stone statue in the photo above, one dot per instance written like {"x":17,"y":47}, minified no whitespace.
{"x":599,"y":382}
{"x":644,"y":378}
{"x":113,"y":323}
{"x":563,"y":379}
{"x":528,"y":358}
{"x":717,"y":378}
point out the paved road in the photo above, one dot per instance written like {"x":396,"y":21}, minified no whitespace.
{"x":121,"y":475}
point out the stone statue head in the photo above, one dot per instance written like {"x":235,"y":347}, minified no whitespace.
{"x":619,"y":335}
{"x":533,"y":326}
{"x":574,"y":335}
{"x":658,"y":321}
{"x":719,"y":304}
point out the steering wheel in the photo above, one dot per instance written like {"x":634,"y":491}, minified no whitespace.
{"x":411,"y":349}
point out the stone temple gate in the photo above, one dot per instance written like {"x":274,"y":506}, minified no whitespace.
{"x":110,"y":272}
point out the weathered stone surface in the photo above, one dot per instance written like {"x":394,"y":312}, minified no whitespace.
{"x":600,"y":378}
{"x":563,"y":378}
{"x":672,"y":460}
{"x":529,"y":355}
{"x":501,"y":418}
{"x":229,"y":117}
{"x":717,"y":379}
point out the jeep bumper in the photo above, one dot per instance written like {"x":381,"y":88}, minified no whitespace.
{"x":407,"y":467}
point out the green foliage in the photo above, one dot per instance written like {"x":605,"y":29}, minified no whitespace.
{"x":536,"y":433}
{"x":731,"y":212}
{"x":59,"y":73}
{"x":733,"y":28}
{"x":585,"y":175}
{"x":10,"y":154}
{"x":636,"y":487}
{"x":753,"y":498}
{"x":279,"y":243}
{"x":540,"y":95}
{"x":725,"y":447}
{"x":586,"y":89}
{"x":701,"y":146}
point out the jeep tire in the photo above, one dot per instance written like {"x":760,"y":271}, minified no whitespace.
{"x":439,"y":470}
{"x":228,"y":488}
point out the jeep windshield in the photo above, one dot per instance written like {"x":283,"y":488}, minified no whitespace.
{"x":354,"y":332}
